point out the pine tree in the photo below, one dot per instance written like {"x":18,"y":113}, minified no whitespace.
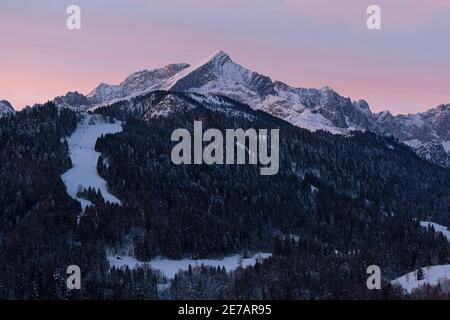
{"x":420,"y":274}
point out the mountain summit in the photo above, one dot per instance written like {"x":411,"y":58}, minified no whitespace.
{"x":6,"y":108}
{"x":218,"y":74}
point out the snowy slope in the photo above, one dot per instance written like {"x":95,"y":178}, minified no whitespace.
{"x":138,"y":83}
{"x":170,"y":267}
{"x":218,"y":74}
{"x":84,"y":157}
{"x":432,"y":276}
{"x":437,"y":228}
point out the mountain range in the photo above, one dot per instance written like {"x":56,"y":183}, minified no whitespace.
{"x":88,"y":180}
{"x":314,"y":109}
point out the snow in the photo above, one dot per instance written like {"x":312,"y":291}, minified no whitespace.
{"x":220,"y":75}
{"x":383,"y":116}
{"x":432,"y":276}
{"x":136,"y":84}
{"x":437,"y":228}
{"x":414,"y":120}
{"x":183,"y":73}
{"x":224,"y":77}
{"x":84,"y":157}
{"x":446,"y":145}
{"x":414,"y":143}
{"x":217,"y":74}
{"x":170,"y":267}
{"x":313,"y":121}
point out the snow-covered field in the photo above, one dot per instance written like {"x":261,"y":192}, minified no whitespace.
{"x":170,"y":267}
{"x":432,"y":274}
{"x":84,"y":157}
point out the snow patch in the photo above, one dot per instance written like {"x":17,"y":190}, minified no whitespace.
{"x":437,"y":227}
{"x":414,"y":143}
{"x":432,"y":276}
{"x":446,"y":145}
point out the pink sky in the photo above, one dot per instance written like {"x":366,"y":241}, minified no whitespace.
{"x":404,"y":67}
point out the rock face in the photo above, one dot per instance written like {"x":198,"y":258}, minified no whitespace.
{"x":6,"y":109}
{"x":313,"y":109}
{"x":433,"y":151}
{"x":73,"y":100}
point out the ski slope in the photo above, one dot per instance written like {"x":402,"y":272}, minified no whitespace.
{"x":84,"y":158}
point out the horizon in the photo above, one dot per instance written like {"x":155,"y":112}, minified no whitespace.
{"x":402,"y":68}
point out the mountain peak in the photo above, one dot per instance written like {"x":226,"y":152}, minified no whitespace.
{"x":327,"y":89}
{"x":217,"y":58}
{"x":6,"y":108}
{"x":443,"y":108}
{"x":219,"y":55}
{"x":218,"y":74}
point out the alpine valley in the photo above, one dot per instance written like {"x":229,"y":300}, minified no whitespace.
{"x":88,"y":180}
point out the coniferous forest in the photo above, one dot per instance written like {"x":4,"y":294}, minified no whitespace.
{"x":337,"y":205}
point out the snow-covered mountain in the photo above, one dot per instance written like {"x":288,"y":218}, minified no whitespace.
{"x":427,"y":132}
{"x":138,"y":83}
{"x":426,"y":126}
{"x":74,"y":100}
{"x":313,"y":109}
{"x":6,"y":108}
{"x":433,"y":151}
{"x":309,"y":108}
{"x":218,"y":74}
